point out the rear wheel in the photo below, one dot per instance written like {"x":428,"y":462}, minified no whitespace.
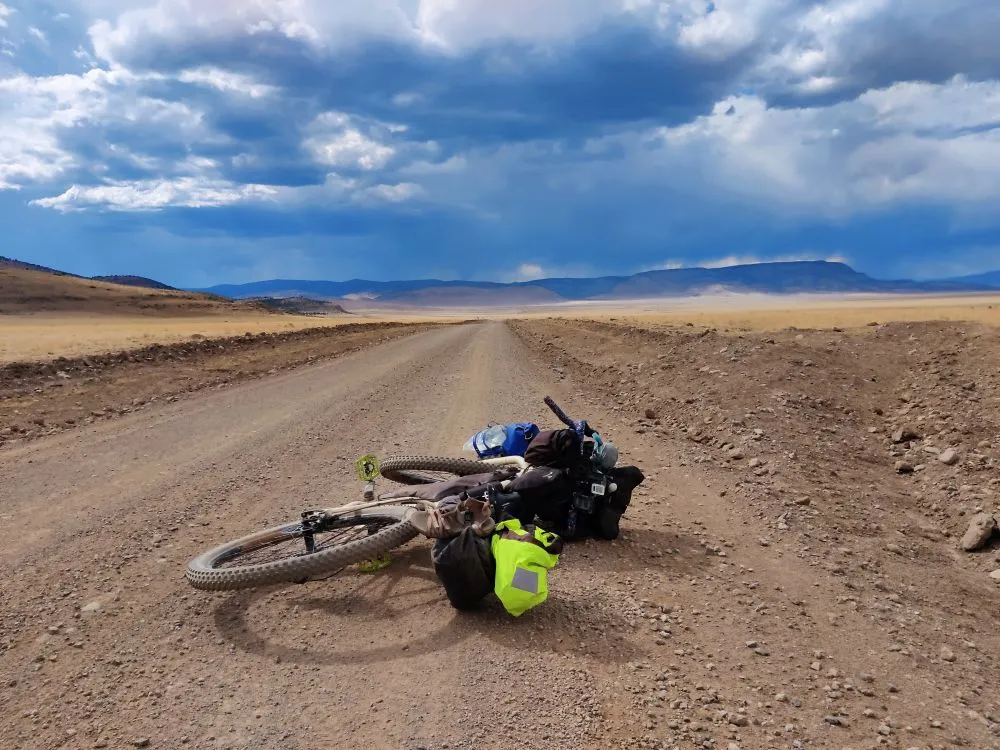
{"x":280,"y":555}
{"x":427,"y":469}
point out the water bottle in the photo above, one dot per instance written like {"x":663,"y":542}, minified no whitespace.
{"x":488,"y":441}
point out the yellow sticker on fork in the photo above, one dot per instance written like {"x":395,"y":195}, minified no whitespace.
{"x":367,"y":467}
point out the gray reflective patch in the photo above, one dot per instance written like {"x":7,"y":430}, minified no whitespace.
{"x":525,"y":580}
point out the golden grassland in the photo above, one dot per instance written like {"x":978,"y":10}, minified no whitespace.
{"x":42,"y":336}
{"x":770,"y":313}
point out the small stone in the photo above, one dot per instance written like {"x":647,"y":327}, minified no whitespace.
{"x":834,"y":721}
{"x":903,"y":467}
{"x":947,"y":654}
{"x":903,"y":434}
{"x":754,"y":462}
{"x":995,"y":575}
{"x":981,"y":528}
{"x":93,"y":606}
{"x":949,"y":457}
{"x":140,"y":742}
{"x":738,"y":720}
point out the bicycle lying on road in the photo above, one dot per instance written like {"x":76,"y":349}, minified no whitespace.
{"x":327,"y":540}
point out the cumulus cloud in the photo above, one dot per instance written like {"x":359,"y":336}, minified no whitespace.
{"x":398,"y":193}
{"x":338,"y":141}
{"x":226,"y":80}
{"x":908,"y":142}
{"x":137,"y":33}
{"x":529,"y":272}
{"x":612,"y":129}
{"x":146,"y":195}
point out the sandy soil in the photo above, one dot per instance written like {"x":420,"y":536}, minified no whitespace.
{"x":731,"y":614}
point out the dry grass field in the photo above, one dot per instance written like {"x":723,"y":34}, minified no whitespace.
{"x":41,"y":337}
{"x":770,"y":313}
{"x":46,"y":315}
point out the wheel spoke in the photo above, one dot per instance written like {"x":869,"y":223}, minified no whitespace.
{"x":307,"y":542}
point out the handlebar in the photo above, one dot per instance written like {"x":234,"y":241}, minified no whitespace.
{"x":549,"y":402}
{"x":580,"y":425}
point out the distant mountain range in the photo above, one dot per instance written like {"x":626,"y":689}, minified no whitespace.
{"x":991,"y":279}
{"x":763,"y":278}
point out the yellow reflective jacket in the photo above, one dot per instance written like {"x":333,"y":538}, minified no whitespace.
{"x":523,"y":557}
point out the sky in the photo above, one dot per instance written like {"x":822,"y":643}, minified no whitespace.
{"x":209,"y":141}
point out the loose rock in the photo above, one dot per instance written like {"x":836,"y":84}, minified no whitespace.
{"x":949,"y":457}
{"x":981,"y":528}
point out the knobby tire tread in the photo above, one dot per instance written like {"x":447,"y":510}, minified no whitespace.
{"x":202,"y":574}
{"x":402,"y":469}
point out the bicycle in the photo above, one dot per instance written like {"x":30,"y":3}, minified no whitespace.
{"x":327,"y":540}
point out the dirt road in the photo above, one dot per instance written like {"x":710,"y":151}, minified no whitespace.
{"x":684,"y":633}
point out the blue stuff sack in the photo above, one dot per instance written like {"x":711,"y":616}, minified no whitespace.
{"x":503,"y":440}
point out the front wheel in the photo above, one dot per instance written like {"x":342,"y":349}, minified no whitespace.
{"x":428,"y":469}
{"x":279,"y":555}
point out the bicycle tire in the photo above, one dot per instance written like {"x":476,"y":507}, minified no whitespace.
{"x":406,"y":469}
{"x":204,"y":571}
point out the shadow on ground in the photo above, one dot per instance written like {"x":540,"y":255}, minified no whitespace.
{"x":363,"y":619}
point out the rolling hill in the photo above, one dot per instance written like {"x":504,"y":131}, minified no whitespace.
{"x":139,"y":281}
{"x":763,"y":278}
{"x":29,"y":288}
